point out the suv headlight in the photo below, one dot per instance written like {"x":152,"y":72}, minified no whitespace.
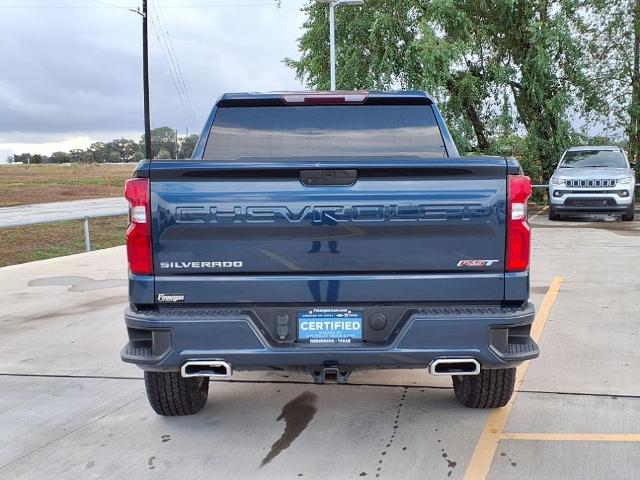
{"x":625,"y":180}
{"x":557,"y":181}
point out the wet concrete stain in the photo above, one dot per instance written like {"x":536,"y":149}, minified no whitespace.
{"x":78,"y":284}
{"x":150,"y":463}
{"x":394,"y":431}
{"x":165,"y":438}
{"x":511,"y":462}
{"x":297,"y":414}
{"x":89,"y":465}
{"x":450,"y":463}
{"x":80,"y":309}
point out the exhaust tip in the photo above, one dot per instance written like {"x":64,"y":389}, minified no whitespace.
{"x":206,"y":368}
{"x":454,"y":366}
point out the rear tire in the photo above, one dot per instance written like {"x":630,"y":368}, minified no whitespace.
{"x":170,"y":394}
{"x":553,"y":215}
{"x":629,"y":215}
{"x":488,"y":389}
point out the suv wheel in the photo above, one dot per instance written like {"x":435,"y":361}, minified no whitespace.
{"x":629,"y":215}
{"x":488,"y":389}
{"x":553,"y":215}
{"x":170,"y":394}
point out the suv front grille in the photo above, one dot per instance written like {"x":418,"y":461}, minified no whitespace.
{"x":590,"y":202}
{"x":590,"y":183}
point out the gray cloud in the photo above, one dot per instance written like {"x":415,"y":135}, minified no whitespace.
{"x":66,"y":72}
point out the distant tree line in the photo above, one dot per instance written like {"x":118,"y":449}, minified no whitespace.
{"x":164,"y":143}
{"x":512,"y":77}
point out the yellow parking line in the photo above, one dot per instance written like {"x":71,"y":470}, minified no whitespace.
{"x":573,"y":437}
{"x":543,"y":312}
{"x":485,"y":450}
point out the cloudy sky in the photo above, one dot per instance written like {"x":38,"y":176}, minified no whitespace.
{"x":70,"y":70}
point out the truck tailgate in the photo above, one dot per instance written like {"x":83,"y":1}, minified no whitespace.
{"x":253,"y":231}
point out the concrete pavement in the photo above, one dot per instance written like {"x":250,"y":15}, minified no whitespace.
{"x":61,"y":211}
{"x":70,"y":409}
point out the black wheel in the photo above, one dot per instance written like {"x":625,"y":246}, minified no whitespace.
{"x":553,"y":215}
{"x":170,"y":394}
{"x":488,"y":389}
{"x":629,"y":215}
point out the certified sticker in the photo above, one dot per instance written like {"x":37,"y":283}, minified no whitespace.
{"x":329,"y":325}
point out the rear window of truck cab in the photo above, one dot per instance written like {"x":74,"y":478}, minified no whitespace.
{"x":324,"y":131}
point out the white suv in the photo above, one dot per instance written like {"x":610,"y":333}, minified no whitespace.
{"x":592,"y":180}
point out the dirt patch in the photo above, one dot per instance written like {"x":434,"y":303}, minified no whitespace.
{"x":24,"y":184}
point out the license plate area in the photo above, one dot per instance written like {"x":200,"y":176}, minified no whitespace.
{"x":327,"y":325}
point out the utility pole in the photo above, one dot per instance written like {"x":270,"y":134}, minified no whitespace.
{"x":145,"y":80}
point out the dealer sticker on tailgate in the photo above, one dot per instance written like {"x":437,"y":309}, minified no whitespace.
{"x":329,"y":325}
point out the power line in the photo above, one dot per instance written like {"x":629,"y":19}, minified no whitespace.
{"x":109,"y":6}
{"x":162,"y":39}
{"x":177,"y":69}
{"x":168,"y":62}
{"x":172,"y":50}
{"x":112,"y":5}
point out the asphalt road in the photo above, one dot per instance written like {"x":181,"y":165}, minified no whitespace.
{"x":70,"y":409}
{"x":60,"y":211}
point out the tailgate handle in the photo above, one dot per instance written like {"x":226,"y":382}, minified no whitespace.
{"x":328,"y":177}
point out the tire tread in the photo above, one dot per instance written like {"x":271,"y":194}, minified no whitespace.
{"x":489,"y":389}
{"x":172,"y":395}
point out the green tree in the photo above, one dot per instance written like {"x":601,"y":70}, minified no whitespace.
{"x":125,"y":148}
{"x":614,"y":46}
{"x":23,"y":157}
{"x":57,"y":157}
{"x":137,"y":156}
{"x":162,"y":138}
{"x":99,"y":152}
{"x":496,"y":67}
{"x":187,"y":145}
{"x":164,"y":154}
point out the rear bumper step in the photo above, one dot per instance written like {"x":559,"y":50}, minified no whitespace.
{"x":494,"y":337}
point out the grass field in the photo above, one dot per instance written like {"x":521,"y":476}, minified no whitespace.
{"x":23,"y":184}
{"x":38,"y":242}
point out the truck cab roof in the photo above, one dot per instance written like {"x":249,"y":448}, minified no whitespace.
{"x":349,"y":96}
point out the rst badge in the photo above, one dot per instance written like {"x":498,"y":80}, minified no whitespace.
{"x":476,"y":263}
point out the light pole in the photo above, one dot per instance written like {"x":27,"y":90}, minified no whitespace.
{"x":332,"y":33}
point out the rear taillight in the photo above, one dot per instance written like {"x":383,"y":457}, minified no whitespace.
{"x":136,"y":191}
{"x":518,"y":231}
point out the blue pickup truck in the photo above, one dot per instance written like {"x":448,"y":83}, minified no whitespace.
{"x":326,"y":232}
